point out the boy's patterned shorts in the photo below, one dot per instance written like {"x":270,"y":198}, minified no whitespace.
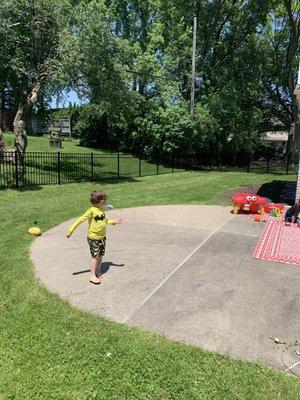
{"x":97,"y":247}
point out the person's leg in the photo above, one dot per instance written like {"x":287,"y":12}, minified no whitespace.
{"x":93,"y":277}
{"x":98,"y":267}
{"x":94,"y":249}
{"x":101,"y":252}
{"x":288,"y":220}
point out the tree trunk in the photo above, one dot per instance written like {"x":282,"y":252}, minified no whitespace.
{"x":20,"y":136}
{"x":293,"y":44}
{"x":19,"y":125}
{"x":290,"y":143}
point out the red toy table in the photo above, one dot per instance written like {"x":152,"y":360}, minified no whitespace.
{"x":271,"y":206}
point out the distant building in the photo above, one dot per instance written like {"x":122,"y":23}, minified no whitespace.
{"x":6,"y":110}
{"x":6,"y":120}
{"x":35,"y":123}
{"x":277,"y":136}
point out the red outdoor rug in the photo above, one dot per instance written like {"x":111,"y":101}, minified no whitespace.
{"x":267,"y":217}
{"x":279,"y":243}
{"x":251,"y":217}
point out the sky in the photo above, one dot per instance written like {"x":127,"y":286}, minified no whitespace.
{"x":68,"y":97}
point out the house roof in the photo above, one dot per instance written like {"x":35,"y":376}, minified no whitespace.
{"x":275,"y":136}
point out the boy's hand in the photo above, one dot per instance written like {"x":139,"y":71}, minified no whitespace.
{"x":118,"y":221}
{"x":68,"y":234}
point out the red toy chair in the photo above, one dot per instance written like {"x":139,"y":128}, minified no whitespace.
{"x":256,"y":203}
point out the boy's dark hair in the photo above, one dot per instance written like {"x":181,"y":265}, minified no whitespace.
{"x":97,"y":196}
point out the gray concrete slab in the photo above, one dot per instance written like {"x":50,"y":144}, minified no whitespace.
{"x":186,"y":272}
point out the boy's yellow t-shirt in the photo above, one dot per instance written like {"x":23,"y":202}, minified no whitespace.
{"x":97,"y":223}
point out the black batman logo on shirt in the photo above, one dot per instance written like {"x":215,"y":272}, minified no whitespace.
{"x":99,"y":218}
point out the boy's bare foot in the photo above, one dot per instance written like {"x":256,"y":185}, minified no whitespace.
{"x":95,"y":280}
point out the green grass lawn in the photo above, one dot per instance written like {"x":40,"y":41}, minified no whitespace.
{"x":41,"y":143}
{"x":50,"y":350}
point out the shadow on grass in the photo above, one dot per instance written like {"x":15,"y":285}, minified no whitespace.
{"x":115,"y":181}
{"x":97,"y":149}
{"x":29,"y":186}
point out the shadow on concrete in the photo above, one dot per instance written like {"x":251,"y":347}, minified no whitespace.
{"x":107,"y":264}
{"x":104,"y":268}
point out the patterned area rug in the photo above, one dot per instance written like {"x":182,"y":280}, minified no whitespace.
{"x":267,"y":217}
{"x":279,"y":243}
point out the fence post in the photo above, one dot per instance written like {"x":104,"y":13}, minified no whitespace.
{"x":249,"y":163}
{"x":173,"y":160}
{"x":92,"y":167}
{"x":268,"y":163}
{"x":157,"y":164}
{"x":220,"y":157}
{"x":118,"y":172}
{"x":58,"y":167}
{"x":287,"y":165}
{"x":17,"y":169}
{"x":140,"y":166}
{"x":220,"y":164}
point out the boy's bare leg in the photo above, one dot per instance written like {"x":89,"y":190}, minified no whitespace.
{"x":93,"y":277}
{"x":98,"y":267}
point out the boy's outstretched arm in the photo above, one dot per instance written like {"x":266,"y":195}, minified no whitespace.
{"x":81,"y":219}
{"x":114,"y":221}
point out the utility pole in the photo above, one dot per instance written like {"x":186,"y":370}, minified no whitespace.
{"x":192,"y":110}
{"x":297,"y":133}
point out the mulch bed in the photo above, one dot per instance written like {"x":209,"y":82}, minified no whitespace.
{"x":226,"y":196}
{"x":273,"y":191}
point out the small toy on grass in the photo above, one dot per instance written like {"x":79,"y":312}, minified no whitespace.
{"x":35,"y":230}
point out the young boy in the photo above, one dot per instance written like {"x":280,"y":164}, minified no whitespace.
{"x":293,"y":214}
{"x":96,"y":232}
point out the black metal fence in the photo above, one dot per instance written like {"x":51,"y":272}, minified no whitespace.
{"x":33,"y":168}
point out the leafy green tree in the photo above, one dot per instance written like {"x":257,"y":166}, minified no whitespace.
{"x":32,"y":55}
{"x":280,"y":41}
{"x":132,"y":61}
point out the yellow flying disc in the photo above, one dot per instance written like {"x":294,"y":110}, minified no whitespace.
{"x":35,"y":231}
